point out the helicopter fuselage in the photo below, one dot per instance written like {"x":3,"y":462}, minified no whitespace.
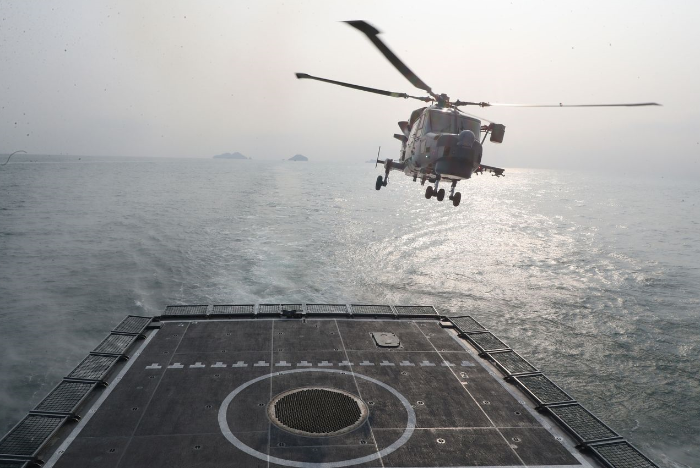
{"x":439,"y":143}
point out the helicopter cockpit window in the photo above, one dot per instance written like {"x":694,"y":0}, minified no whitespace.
{"x":469,"y":124}
{"x":447,"y":122}
{"x":442,"y":122}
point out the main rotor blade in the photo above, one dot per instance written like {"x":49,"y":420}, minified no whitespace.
{"x":303,"y":76}
{"x":499,"y":104}
{"x":371,"y":33}
{"x":475,"y":116}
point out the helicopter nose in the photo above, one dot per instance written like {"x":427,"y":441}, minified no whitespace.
{"x":466,"y":138}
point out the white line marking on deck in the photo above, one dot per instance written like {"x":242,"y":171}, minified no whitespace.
{"x":218,"y":364}
{"x":175,"y":365}
{"x":261,"y":364}
{"x":239,"y":364}
{"x":155,"y":365}
{"x":406,"y":363}
{"x":197,"y":365}
{"x":304,"y":364}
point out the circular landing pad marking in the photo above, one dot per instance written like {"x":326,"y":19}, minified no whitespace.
{"x":223,"y":424}
{"x":317,"y":411}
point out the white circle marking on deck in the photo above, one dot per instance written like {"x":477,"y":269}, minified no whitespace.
{"x":223,"y":424}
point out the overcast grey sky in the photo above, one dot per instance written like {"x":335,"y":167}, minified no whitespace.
{"x":194,"y":79}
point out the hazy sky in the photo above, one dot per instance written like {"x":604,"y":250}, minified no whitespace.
{"x":198,"y":78}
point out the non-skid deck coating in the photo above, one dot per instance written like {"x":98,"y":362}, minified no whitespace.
{"x":197,"y":395}
{"x":202,"y":387}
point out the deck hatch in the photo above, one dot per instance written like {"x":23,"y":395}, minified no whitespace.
{"x":317,"y":411}
{"x":93,"y":367}
{"x":372,"y":310}
{"x":133,"y":324}
{"x":27,"y":437}
{"x":543,"y":390}
{"x":486,"y":341}
{"x":622,"y":454}
{"x":327,"y":309}
{"x":65,"y":397}
{"x":186,"y":310}
{"x":466,"y":324}
{"x":511,"y":362}
{"x":115,"y":344}
{"x":582,"y":423}
{"x":386,"y":339}
{"x":231,"y":309}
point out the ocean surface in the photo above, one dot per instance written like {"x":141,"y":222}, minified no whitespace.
{"x":593,"y":277}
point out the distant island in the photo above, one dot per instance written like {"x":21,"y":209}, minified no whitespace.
{"x":298,"y":157}
{"x":235,"y":155}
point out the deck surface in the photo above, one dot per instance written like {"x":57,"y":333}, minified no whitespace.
{"x":197,"y":395}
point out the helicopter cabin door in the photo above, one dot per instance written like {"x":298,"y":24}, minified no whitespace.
{"x":418,"y":136}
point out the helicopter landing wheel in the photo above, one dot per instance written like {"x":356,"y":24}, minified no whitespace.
{"x":379,"y":183}
{"x":441,"y":194}
{"x":429,"y":192}
{"x":456,"y":199}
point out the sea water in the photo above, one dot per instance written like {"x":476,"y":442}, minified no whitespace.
{"x":593,"y":277}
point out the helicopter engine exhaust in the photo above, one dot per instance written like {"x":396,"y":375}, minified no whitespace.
{"x":461,"y":155}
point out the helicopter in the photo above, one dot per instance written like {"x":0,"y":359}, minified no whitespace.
{"x":439,"y":142}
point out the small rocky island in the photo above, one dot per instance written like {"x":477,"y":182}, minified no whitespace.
{"x":298,"y":157}
{"x":235,"y":155}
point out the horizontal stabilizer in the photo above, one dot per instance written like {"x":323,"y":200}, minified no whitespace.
{"x":496,"y":171}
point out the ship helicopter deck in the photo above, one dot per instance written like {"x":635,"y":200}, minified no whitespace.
{"x":309,"y":386}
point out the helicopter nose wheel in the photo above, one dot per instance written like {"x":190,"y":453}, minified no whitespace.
{"x":441,"y":194}
{"x":455,"y":197}
{"x":378,"y":185}
{"x":429,"y":192}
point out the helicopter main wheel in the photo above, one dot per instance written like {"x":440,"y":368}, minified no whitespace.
{"x":429,"y":192}
{"x":379,"y":183}
{"x":441,"y":194}
{"x":456,"y":199}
